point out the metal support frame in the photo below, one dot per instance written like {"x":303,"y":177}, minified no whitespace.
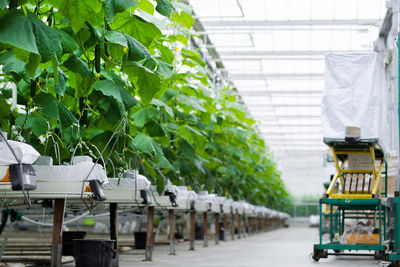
{"x":205,"y":229}
{"x":114,"y":232}
{"x":171,"y":218}
{"x":192,"y":229}
{"x":56,"y":245}
{"x":150,"y":234}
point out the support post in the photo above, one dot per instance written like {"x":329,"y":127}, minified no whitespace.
{"x":114,"y":231}
{"x":233,"y":227}
{"x":192,"y":228}
{"x":239,"y":227}
{"x":217,"y":228}
{"x":171,"y":217}
{"x":225,"y":227}
{"x":56,"y":246}
{"x":205,"y":230}
{"x":150,"y":229}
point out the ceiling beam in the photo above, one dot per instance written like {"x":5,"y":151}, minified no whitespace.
{"x":269,"y":23}
{"x":295,"y":93}
{"x":273,"y":117}
{"x":280,"y":76}
{"x":283,"y":105}
{"x":282,"y":52}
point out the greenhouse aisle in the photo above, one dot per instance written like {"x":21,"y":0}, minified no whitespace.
{"x":284,"y":247}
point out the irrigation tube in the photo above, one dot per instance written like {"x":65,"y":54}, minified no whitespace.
{"x":50,"y":224}
{"x":72,"y":220}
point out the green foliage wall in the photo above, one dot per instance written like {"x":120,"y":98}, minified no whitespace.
{"x":82,"y":66}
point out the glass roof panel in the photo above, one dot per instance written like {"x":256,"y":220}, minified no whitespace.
{"x":273,"y":53}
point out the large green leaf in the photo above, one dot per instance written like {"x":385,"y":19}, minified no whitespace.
{"x":147,"y":82}
{"x":16,"y":29}
{"x":136,"y":51}
{"x":116,"y":37}
{"x":146,"y":6}
{"x":141,"y":117}
{"x":110,"y":88}
{"x":143,"y":31}
{"x":52,"y":108}
{"x":146,"y":144}
{"x":167,"y":108}
{"x":11,"y":64}
{"x":77,"y":65}
{"x":190,"y":101}
{"x":48,"y":40}
{"x":186,"y":149}
{"x":165,"y":8}
{"x":68,"y":43}
{"x":112,"y":7}
{"x":37,"y":123}
{"x":4,"y":108}
{"x":78,"y":11}
{"x":184,"y":19}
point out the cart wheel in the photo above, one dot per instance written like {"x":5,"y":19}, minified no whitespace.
{"x":315,"y":257}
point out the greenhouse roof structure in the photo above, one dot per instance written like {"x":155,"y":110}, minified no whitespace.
{"x":272,"y":51}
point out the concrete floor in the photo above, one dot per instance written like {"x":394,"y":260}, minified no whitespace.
{"x":285,"y":247}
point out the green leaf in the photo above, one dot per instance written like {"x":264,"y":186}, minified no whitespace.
{"x":52,"y":108}
{"x":11,"y":64}
{"x":78,"y":11}
{"x":191,"y":102}
{"x":146,"y":144}
{"x":184,"y":19}
{"x":146,"y":6}
{"x":147,"y":82}
{"x":16,"y":30}
{"x":143,"y":31}
{"x":186,"y":149}
{"x":4,"y":3}
{"x":33,"y":63}
{"x":112,"y":7}
{"x":154,"y":129}
{"x":163,"y":163}
{"x":164,"y":69}
{"x":136,"y":51}
{"x":167,"y":108}
{"x":109,"y":88}
{"x":77,"y":65}
{"x":47,"y":39}
{"x":60,"y":86}
{"x":187,"y":54}
{"x":68,"y":43}
{"x":165,"y":8}
{"x":37,"y":123}
{"x":141,"y":117}
{"x":4,"y":108}
{"x":116,"y":38}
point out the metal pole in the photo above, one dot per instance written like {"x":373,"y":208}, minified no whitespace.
{"x":205,"y":230}
{"x":150,"y":229}
{"x":192,"y":229}
{"x":114,"y":231}
{"x":171,"y":217}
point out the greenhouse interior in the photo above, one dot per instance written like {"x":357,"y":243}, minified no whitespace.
{"x":199,"y":133}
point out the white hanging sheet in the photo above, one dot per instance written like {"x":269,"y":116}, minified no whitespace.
{"x":355,"y":95}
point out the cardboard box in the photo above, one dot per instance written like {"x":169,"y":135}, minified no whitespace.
{"x":358,"y":238}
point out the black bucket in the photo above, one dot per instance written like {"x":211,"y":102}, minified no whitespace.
{"x":67,"y":244}
{"x":94,"y":252}
{"x":140,"y":240}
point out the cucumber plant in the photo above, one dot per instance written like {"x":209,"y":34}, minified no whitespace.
{"x":82,"y":66}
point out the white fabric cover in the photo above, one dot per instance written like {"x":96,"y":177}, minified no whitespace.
{"x":24,"y":152}
{"x":128,"y":183}
{"x":184,"y":193}
{"x":77,"y":172}
{"x":355,"y":95}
